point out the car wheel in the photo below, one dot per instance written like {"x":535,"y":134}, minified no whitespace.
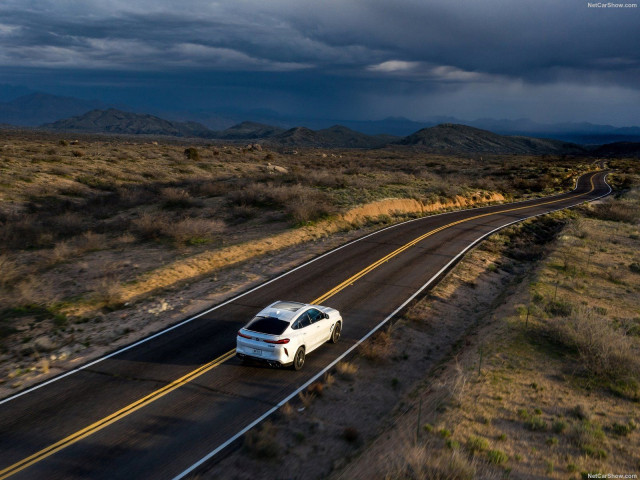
{"x":335,"y":335}
{"x":298,"y":359}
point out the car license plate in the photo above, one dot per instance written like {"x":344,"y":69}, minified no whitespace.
{"x":256,"y":352}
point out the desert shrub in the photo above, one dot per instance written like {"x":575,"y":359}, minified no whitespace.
{"x":194,"y":231}
{"x":618,"y":211}
{"x":176,"y":198}
{"x":580,"y":412}
{"x":603,"y":350}
{"x":559,"y":426}
{"x":624,"y":429}
{"x":421,"y":462}
{"x":108,"y":293}
{"x":260,"y":442}
{"x":497,"y":457}
{"x":150,"y":227}
{"x":477,"y":444}
{"x":77,"y":153}
{"x":97,"y":182}
{"x":376,"y":347}
{"x":308,"y":209}
{"x":302,"y":204}
{"x":191,"y":153}
{"x":590,"y":438}
{"x":558,"y":308}
{"x":66,"y":224}
{"x":635,"y":267}
{"x":346,"y":370}
{"x":535,"y":423}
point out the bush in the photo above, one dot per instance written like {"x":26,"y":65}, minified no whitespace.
{"x":176,"y":198}
{"x":559,"y":426}
{"x":603,"y":350}
{"x":377,"y":347}
{"x":559,"y":308}
{"x":618,"y":211}
{"x":536,"y":424}
{"x":261,"y":443}
{"x":191,"y":153}
{"x":346,"y":370}
{"x":194,"y":231}
{"x":497,"y":457}
{"x":477,"y":444}
{"x":590,"y":438}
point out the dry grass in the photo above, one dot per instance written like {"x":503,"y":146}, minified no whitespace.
{"x":108,"y":293}
{"x":306,"y":398}
{"x":603,"y":350}
{"x":423,"y":462}
{"x":10,"y":272}
{"x":260,"y":442}
{"x":378,"y":347}
{"x":346,"y":370}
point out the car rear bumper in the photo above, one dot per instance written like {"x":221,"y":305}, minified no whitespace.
{"x":263,"y":360}
{"x":261,"y":351}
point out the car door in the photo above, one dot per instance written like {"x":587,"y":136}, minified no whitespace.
{"x":318,"y":327}
{"x":303,"y":331}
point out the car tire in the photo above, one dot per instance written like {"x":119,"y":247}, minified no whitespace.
{"x":298,"y":359}
{"x":337,"y":331}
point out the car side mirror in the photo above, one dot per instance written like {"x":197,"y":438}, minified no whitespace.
{"x":326,"y":315}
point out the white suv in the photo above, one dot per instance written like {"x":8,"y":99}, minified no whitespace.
{"x":285,"y":332}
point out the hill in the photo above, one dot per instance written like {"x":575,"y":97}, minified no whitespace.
{"x":454,"y":138}
{"x":119,"y":122}
{"x":336,"y":136}
{"x":249,"y":130}
{"x":618,"y":149}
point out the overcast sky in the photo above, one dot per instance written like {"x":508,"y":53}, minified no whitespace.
{"x":550,"y":61}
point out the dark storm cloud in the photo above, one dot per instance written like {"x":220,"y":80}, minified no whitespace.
{"x":362,"y":49}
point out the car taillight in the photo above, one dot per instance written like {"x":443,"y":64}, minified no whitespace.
{"x":279,"y":342}
{"x":240,"y":334}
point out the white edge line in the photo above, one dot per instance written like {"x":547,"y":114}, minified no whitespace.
{"x":190,"y":319}
{"x":269,"y":412}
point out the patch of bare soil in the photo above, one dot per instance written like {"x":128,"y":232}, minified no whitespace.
{"x":362,"y":402}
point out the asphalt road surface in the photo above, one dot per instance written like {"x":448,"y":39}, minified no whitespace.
{"x":162,"y":407}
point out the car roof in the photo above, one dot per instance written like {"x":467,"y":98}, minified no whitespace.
{"x":286,"y":311}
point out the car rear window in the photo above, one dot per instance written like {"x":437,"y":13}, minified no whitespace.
{"x":269,"y":325}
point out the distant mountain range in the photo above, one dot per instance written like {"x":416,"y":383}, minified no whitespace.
{"x":449,"y":137}
{"x":127,"y":123}
{"x":445,"y":138}
{"x":72,"y":114}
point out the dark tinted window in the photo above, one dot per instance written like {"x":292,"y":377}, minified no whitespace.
{"x":302,"y":321}
{"x":269,"y":325}
{"x":315,"y":315}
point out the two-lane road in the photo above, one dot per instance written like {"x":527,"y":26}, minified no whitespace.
{"x":157,"y":408}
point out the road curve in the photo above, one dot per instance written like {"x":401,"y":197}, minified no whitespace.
{"x":163,"y":406}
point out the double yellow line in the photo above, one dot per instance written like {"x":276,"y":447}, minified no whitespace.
{"x":114,"y":417}
{"x":137,"y":405}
